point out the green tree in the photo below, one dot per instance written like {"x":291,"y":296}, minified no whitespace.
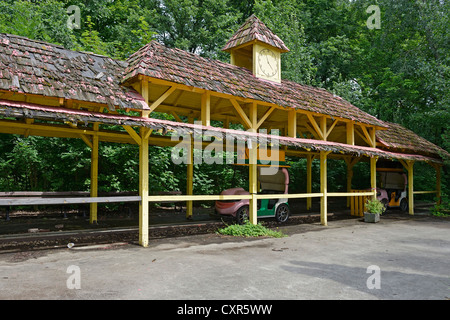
{"x":198,"y":26}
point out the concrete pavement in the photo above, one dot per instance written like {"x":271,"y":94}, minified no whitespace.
{"x":398,"y":258}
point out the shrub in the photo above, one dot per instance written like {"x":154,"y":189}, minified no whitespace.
{"x":250,"y":230}
{"x":375,"y":206}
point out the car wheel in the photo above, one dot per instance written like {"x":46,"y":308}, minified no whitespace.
{"x":385,"y":203}
{"x":282,"y":213}
{"x":242,"y":215}
{"x":404,"y":205}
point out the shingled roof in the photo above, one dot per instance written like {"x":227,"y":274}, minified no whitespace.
{"x":400,"y":139}
{"x":255,"y":29}
{"x":26,"y":110}
{"x":175,"y":65}
{"x":35,"y":67}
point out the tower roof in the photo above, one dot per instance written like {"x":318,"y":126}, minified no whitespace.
{"x":255,"y":29}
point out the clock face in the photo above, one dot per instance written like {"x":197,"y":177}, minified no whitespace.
{"x":268,"y":63}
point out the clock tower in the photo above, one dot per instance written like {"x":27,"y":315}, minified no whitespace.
{"x":255,"y":47}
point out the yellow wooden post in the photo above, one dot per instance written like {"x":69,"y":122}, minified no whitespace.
{"x":94,"y":175}
{"x":253,"y":184}
{"x":144,"y":174}
{"x":206,"y":108}
{"x":373,"y":176}
{"x":292,"y":124}
{"x":323,"y":127}
{"x":350,"y":133}
{"x":143,"y":189}
{"x":253,"y":174}
{"x":309,"y":159}
{"x":352,"y":205}
{"x":323,"y":187}
{"x":410,"y":164}
{"x":190,"y":179}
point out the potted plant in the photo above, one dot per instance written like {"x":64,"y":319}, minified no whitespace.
{"x":373,"y":209}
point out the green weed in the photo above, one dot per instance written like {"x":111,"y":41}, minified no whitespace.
{"x":250,"y":230}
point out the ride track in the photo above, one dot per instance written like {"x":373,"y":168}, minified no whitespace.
{"x":81,"y":238}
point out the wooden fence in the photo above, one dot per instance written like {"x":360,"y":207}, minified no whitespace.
{"x":358,"y":202}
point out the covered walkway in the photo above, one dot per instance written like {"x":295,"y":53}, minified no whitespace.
{"x":46,"y":90}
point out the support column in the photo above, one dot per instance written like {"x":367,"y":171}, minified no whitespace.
{"x":144,"y":173}
{"x":410,"y":164}
{"x":253,"y":167}
{"x":349,"y":180}
{"x":292,"y":124}
{"x":253,"y":184}
{"x":143,"y":188}
{"x":206,"y":109}
{"x":309,"y":159}
{"x":350,"y":132}
{"x":94,"y":176}
{"x":323,"y":187}
{"x":373,"y":176}
{"x":190,"y":179}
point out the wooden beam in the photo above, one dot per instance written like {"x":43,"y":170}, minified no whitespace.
{"x":410,"y":186}
{"x":28,"y":201}
{"x":253,"y":174}
{"x":147,"y":134}
{"x":292,"y":123}
{"x":312,"y":131}
{"x":253,"y":184}
{"x":175,"y":115}
{"x":323,"y":188}
{"x":241,"y":113}
{"x":330,"y":129}
{"x":253,"y":116}
{"x":264,"y":117}
{"x":373,"y":176}
{"x":309,"y":160}
{"x":350,"y":133}
{"x":206,"y":109}
{"x":62,"y":131}
{"x":82,"y":136}
{"x":143,"y":190}
{"x":369,"y":137}
{"x":190,"y":178}
{"x":316,"y":127}
{"x":94,"y":175}
{"x":323,"y":127}
{"x":144,"y":90}
{"x":362,"y":136}
{"x":163,"y":97}
{"x":133,"y":134}
{"x":409,"y":166}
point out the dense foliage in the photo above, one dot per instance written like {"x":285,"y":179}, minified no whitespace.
{"x":398,"y":73}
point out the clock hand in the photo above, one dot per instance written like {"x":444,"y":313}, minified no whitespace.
{"x":267,"y":59}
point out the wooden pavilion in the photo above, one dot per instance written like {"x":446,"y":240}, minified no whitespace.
{"x":47,"y":90}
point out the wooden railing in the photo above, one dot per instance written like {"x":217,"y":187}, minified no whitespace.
{"x":358,"y":202}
